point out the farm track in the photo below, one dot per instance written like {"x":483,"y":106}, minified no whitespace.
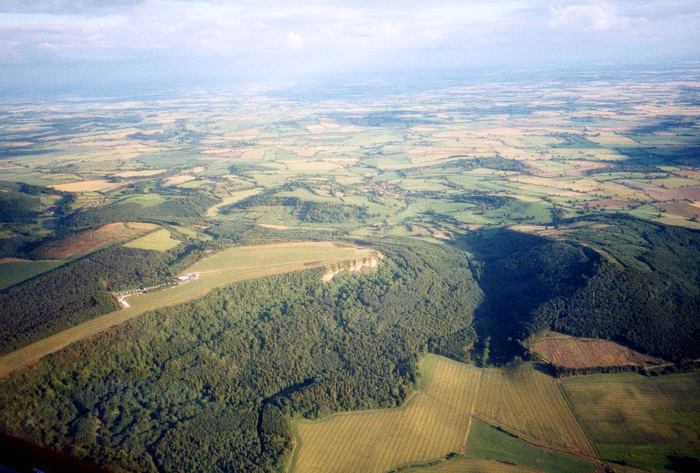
{"x":530,"y":405}
{"x":472,"y":410}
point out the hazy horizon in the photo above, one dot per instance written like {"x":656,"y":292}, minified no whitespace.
{"x":89,"y":45}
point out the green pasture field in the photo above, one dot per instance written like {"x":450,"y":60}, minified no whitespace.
{"x":549,"y":165}
{"x":656,"y":140}
{"x":270,"y":179}
{"x":520,"y":211}
{"x":534,"y":190}
{"x":190,"y":233}
{"x":306,"y":195}
{"x":412,"y":211}
{"x":422,"y":185}
{"x":433,"y":423}
{"x":490,"y":443}
{"x":638,"y":420}
{"x":41,"y":179}
{"x":361,"y":200}
{"x":646,"y":212}
{"x":160,"y":240}
{"x":470,"y":182}
{"x":469,"y":217}
{"x":196,"y":184}
{"x":234,"y":197}
{"x":389,"y":162}
{"x":144,"y":200}
{"x":216,"y":169}
{"x":670,"y":182}
{"x":172,"y":159}
{"x":277,"y":215}
{"x":387,"y":176}
{"x":221,"y":269}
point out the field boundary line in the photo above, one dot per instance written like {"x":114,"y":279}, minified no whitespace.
{"x":578,"y":421}
{"x":291,"y":462}
{"x":534,"y":443}
{"x":406,"y":404}
{"x":472,"y":410}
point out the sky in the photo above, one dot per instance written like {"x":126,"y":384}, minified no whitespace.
{"x":48,"y":44}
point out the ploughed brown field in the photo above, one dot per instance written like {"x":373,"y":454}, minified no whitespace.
{"x":681,"y":193}
{"x":87,"y":241}
{"x":571,"y":352}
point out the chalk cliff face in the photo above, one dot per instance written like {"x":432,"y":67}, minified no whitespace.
{"x":357,"y":265}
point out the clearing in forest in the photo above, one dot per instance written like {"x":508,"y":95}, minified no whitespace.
{"x":572,"y":352}
{"x":14,"y":271}
{"x":639,"y":420}
{"x":160,"y":240}
{"x":94,"y":185}
{"x":87,"y":241}
{"x":220,"y":269}
{"x":432,"y":424}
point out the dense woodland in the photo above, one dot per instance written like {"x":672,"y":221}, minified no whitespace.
{"x":305,"y":211}
{"x":208,"y":386}
{"x":519,"y":272}
{"x":647,"y":298}
{"x":22,"y":207}
{"x":645,"y":293}
{"x":181,"y":207}
{"x":74,"y":293}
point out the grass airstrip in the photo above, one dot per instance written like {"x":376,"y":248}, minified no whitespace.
{"x":220,"y":269}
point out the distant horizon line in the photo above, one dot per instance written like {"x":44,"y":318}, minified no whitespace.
{"x":407,"y":79}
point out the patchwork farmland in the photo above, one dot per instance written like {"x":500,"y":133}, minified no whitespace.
{"x":638,"y":420}
{"x":437,"y":421}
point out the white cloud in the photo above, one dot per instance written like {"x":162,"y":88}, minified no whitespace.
{"x":598,"y":17}
{"x":294,"y":41}
{"x":257,"y":36}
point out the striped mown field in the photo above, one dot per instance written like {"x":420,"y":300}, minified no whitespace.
{"x":529,"y":404}
{"x":434,"y":423}
{"x":639,"y":420}
{"x":439,"y":419}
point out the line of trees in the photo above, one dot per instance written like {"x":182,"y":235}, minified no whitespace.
{"x":305,"y":211}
